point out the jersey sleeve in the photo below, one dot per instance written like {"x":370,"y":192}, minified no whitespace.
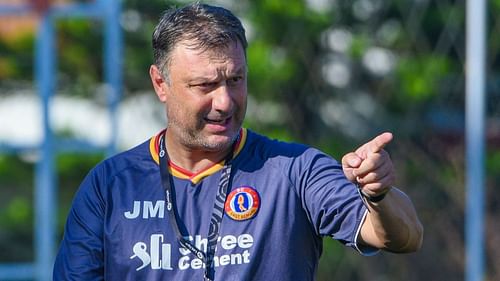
{"x":331,"y":201}
{"x":81,"y":255}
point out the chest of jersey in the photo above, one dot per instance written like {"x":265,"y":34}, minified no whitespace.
{"x":262,"y":211}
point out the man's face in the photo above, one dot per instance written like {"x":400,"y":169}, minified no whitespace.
{"x":206,"y":96}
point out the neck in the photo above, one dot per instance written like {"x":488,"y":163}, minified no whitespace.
{"x":193,"y":160}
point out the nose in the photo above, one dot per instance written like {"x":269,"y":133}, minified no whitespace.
{"x":222,"y":100}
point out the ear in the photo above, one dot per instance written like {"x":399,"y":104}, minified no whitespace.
{"x":159,"y":84}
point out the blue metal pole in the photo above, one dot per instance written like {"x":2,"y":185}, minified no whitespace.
{"x":45,"y":170}
{"x":113,"y":65}
{"x":45,"y":73}
{"x":475,"y":144}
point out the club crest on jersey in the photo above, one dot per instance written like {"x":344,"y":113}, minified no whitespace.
{"x":242,"y":203}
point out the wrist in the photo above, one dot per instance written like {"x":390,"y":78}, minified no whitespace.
{"x":374,"y":198}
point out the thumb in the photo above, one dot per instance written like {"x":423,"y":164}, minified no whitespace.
{"x":350,"y":161}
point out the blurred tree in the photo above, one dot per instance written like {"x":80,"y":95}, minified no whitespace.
{"x":327,"y":73}
{"x":16,"y":58}
{"x":16,"y":212}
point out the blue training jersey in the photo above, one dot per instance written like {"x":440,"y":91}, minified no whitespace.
{"x":284,"y":198}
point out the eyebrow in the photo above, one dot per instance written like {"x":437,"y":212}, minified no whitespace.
{"x":240,"y":71}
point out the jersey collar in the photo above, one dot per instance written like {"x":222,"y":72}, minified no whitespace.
{"x":195,"y":178}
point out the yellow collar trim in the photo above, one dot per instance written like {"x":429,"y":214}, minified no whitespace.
{"x":194,"y":177}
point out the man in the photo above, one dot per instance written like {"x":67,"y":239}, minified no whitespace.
{"x":206,"y":199}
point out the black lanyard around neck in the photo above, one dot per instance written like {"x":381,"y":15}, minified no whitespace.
{"x":217,"y":213}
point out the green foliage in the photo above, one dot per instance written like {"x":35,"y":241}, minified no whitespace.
{"x":72,"y":168}
{"x":16,"y":58}
{"x":269,"y":66}
{"x":493,"y":162}
{"x":359,"y":45}
{"x":18,"y":213}
{"x":419,"y":77}
{"x":331,"y":260}
{"x":285,"y":59}
{"x":17,"y":204}
{"x":16,"y":209}
{"x":79,"y":42}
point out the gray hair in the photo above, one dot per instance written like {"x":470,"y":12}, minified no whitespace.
{"x":209,"y":27}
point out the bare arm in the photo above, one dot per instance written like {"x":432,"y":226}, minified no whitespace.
{"x":392,"y":223}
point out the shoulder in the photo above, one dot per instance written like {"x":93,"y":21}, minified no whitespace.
{"x":134,"y":159}
{"x":98,"y":184}
{"x":261,"y":150}
{"x":263,"y":146}
{"x":137,"y":155}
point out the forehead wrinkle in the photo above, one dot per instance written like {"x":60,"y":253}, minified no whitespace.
{"x":211,"y":64}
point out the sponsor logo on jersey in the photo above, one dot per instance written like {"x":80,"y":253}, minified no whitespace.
{"x":242,"y":203}
{"x":158,"y":254}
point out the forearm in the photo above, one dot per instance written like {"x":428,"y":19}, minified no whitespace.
{"x":392,"y":224}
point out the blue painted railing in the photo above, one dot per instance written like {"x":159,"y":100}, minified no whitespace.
{"x":45,"y":74}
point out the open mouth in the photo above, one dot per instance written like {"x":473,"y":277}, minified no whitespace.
{"x":222,"y":121}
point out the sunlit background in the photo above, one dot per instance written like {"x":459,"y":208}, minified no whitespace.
{"x":328,"y":73}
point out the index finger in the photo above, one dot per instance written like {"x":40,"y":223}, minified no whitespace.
{"x":379,"y":142}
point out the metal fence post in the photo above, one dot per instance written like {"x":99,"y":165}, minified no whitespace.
{"x":45,"y":190}
{"x":113,"y":66}
{"x":45,"y":169}
{"x":475,"y":139}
